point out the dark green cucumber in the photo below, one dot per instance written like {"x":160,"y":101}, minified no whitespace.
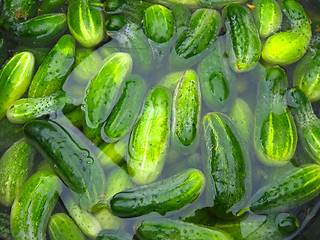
{"x":177,"y":230}
{"x":9,"y":134}
{"x":69,"y":157}
{"x":195,"y":41}
{"x":15,"y":168}
{"x":227,"y":165}
{"x":34,"y":204}
{"x":218,"y":84}
{"x":113,"y":235}
{"x":243,"y":41}
{"x":15,"y":78}
{"x":102,"y":92}
{"x":26,"y":109}
{"x":39,"y":31}
{"x":275,"y":135}
{"x":126,"y":110}
{"x":18,"y":10}
{"x":55,"y":69}
{"x":61,"y":227}
{"x":51,"y":6}
{"x":186,"y":112}
{"x":39,"y":54}
{"x":85,"y":22}
{"x":291,"y":190}
{"x":163,"y":196}
{"x":171,"y":80}
{"x":5,"y":232}
{"x":150,"y":136}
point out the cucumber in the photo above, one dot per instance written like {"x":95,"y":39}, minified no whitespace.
{"x":219,"y":3}
{"x":39,"y":54}
{"x":26,"y":109}
{"x":181,"y":15}
{"x":177,"y":230}
{"x":113,"y":235}
{"x":126,"y":110}
{"x":102,"y":92}
{"x":149,"y":138}
{"x":62,"y":227}
{"x":54,"y":70}
{"x":15,"y":168}
{"x":51,"y":6}
{"x":15,"y":78}
{"x":163,"y":196}
{"x":243,"y":41}
{"x":186,"y":113}
{"x":227,"y":165}
{"x":218,"y":84}
{"x":18,"y":10}
{"x":38,"y":31}
{"x":5,"y":232}
{"x":171,"y":80}
{"x":9,"y":134}
{"x":275,"y":134}
{"x":69,"y":156}
{"x":291,"y":190}
{"x":200,"y":216}
{"x":34,"y":204}
{"x":85,"y":22}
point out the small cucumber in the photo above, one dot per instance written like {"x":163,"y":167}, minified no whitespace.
{"x":113,"y":235}
{"x":15,"y":168}
{"x":34,"y":204}
{"x":227,"y":165}
{"x":85,"y":22}
{"x":150,"y":136}
{"x":126,"y":110}
{"x":171,"y":80}
{"x":163,"y":196}
{"x":51,"y":6}
{"x":26,"y":109}
{"x":15,"y":78}
{"x":62,"y":227}
{"x":218,"y":83}
{"x":243,"y":41}
{"x":5,"y":232}
{"x":275,"y":134}
{"x":18,"y":10}
{"x":102,"y":92}
{"x":177,"y":230}
{"x":186,"y":112}
{"x":54,"y":70}
{"x":9,"y":134}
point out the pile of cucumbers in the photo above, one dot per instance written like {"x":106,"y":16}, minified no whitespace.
{"x":158,"y":119}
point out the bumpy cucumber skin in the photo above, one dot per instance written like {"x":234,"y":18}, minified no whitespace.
{"x":150,"y":136}
{"x":102,"y":91}
{"x":218,"y":84}
{"x":162,"y":196}
{"x":281,"y":195}
{"x":55,"y":69}
{"x":268,"y":16}
{"x":9,"y":134}
{"x":34,"y":204}
{"x":186,"y":112}
{"x":85,"y":22}
{"x":15,"y":78}
{"x":39,"y":31}
{"x":5,"y":232}
{"x":126,"y":110}
{"x":15,"y":168}
{"x":227,"y":165}
{"x":177,"y":230}
{"x":243,"y":41}
{"x":26,"y":109}
{"x":18,"y":10}
{"x":275,"y":134}
{"x":61,"y":226}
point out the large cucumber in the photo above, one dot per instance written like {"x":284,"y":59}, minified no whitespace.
{"x":150,"y":136}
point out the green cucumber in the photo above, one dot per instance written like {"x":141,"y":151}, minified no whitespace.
{"x":5,"y":232}
{"x":39,"y":54}
{"x":26,"y":109}
{"x":113,"y":235}
{"x":15,"y":78}
{"x":163,"y":196}
{"x":150,"y":136}
{"x":177,"y":230}
{"x":195,"y":41}
{"x":218,"y":84}
{"x":9,"y":134}
{"x":15,"y":168}
{"x":243,"y":41}
{"x":219,"y":3}
{"x":18,"y":10}
{"x":85,"y":22}
{"x":51,"y":6}
{"x":34,"y":204}
{"x":268,"y":16}
{"x":126,"y":110}
{"x":171,"y":80}
{"x":102,"y":92}
{"x":39,"y":31}
{"x":55,"y":69}
{"x":181,"y":15}
{"x":186,"y":112}
{"x":61,"y":227}
{"x":227,"y":165}
{"x":275,"y":134}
